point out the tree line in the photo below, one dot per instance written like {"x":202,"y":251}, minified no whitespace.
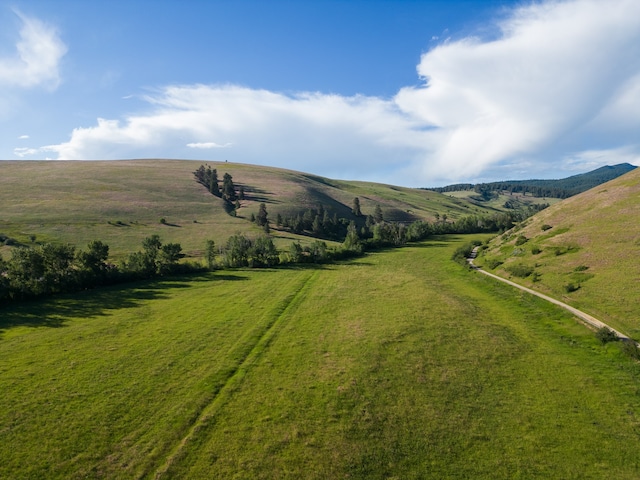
{"x":47,"y":268}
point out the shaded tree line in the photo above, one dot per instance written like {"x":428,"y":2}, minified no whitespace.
{"x":48,"y":268}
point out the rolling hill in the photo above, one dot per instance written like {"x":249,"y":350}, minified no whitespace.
{"x":122,"y":202}
{"x":583,"y":250}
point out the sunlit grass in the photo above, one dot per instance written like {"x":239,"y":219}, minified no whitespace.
{"x":401,"y":364}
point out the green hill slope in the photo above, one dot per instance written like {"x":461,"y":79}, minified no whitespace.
{"x":583,"y":250}
{"x":122,"y":202}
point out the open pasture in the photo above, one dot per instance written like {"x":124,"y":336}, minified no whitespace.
{"x":401,"y":364}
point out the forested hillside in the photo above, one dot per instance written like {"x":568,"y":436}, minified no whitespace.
{"x":562,"y":188}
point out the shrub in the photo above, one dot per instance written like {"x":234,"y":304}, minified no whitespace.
{"x":630,"y":348}
{"x":606,"y":335}
{"x":546,"y":227}
{"x":521,"y":240}
{"x":493,"y":263}
{"x":571,"y":287}
{"x":580,"y":268}
{"x":520,"y":270}
{"x":163,"y":221}
{"x":462,"y":253}
{"x":535,"y":250}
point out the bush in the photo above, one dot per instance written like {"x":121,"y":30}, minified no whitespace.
{"x":580,"y":268}
{"x":631,"y":348}
{"x":163,"y":221}
{"x":493,"y":263}
{"x":462,"y":253}
{"x":521,"y":240}
{"x":519,"y":270}
{"x":571,"y":287}
{"x":606,"y":335}
{"x":535,"y":250}
{"x":546,"y":227}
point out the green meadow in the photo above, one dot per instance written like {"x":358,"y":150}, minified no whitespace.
{"x":400,"y":364}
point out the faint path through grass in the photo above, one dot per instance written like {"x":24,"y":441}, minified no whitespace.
{"x":279,"y":314}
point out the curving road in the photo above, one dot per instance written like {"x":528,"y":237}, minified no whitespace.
{"x":585,"y":317}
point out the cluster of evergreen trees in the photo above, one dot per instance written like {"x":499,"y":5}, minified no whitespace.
{"x":208,"y":177}
{"x":317,"y":222}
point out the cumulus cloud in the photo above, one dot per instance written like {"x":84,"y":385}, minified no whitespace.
{"x":555,"y":69}
{"x":560,"y":81}
{"x":37,"y":57}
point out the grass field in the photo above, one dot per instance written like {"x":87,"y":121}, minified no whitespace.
{"x":401,"y":364}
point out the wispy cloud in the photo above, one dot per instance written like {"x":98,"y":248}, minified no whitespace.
{"x":36,"y":61}
{"x":25,"y":151}
{"x":23,"y":137}
{"x":207,"y":145}
{"x":560,"y":78}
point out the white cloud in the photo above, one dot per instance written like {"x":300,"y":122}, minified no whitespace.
{"x":556,"y":67}
{"x":23,"y":137}
{"x":207,"y":145}
{"x":37,"y":58}
{"x":561,"y":77}
{"x":25,"y":151}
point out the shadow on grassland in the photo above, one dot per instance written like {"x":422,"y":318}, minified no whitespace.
{"x":55,"y":311}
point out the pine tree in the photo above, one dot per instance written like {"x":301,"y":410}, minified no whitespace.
{"x":261,"y":218}
{"x":356,"y":207}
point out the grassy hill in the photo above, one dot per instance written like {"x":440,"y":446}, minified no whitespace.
{"x":122,"y":202}
{"x":584,"y":250}
{"x":401,"y":364}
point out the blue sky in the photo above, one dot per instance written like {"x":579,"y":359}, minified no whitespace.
{"x":415,"y":93}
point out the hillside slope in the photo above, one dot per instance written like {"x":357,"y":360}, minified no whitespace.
{"x":122,"y":202}
{"x":583,"y":250}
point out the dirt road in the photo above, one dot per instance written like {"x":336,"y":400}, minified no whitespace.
{"x":585,"y":317}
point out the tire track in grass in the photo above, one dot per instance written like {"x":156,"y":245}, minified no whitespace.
{"x":236,"y":376}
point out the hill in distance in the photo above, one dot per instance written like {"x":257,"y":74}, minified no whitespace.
{"x":583,"y":250}
{"x":561,"y":188}
{"x":122,"y":202}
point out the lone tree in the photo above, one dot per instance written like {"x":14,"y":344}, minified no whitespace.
{"x":356,"y":207}
{"x":261,"y":218}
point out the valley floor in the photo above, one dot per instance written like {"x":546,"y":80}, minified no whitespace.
{"x":401,"y":364}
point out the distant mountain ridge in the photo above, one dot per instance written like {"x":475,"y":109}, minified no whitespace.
{"x":561,"y":188}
